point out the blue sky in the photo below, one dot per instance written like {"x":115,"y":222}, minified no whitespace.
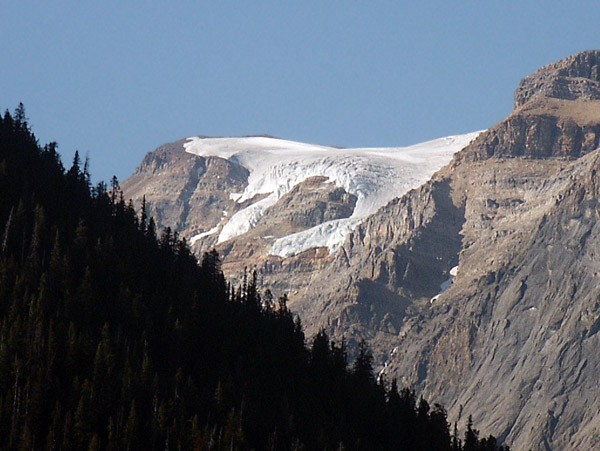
{"x":116,"y":79}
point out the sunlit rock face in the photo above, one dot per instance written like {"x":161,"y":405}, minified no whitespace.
{"x":512,"y":340}
{"x":477,"y":285}
{"x":278,"y":206}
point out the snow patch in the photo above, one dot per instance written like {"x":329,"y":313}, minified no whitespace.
{"x":245,"y":219}
{"x":374,"y":175}
{"x":385,"y":364}
{"x":203,"y":234}
{"x":445,"y":284}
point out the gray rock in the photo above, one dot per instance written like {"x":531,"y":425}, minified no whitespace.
{"x":513,"y":339}
{"x":189,"y":194}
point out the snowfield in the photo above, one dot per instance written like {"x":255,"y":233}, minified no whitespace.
{"x":374,"y":175}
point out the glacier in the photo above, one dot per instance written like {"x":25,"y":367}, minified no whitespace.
{"x":374,"y":175}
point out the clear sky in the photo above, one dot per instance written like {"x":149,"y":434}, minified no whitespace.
{"x":115,"y":79}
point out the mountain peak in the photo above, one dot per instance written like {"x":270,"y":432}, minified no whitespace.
{"x":573,"y":78}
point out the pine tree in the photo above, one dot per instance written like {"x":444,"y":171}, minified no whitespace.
{"x":131,"y":429}
{"x":471,"y":439}
{"x":20,"y":118}
{"x":363,"y":365}
{"x":143,"y":215}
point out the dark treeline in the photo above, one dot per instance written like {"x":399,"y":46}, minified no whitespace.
{"x":114,"y":337}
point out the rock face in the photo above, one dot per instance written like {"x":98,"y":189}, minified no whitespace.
{"x":574,"y":78}
{"x":185,"y":192}
{"x":277,"y":206}
{"x":480,"y":288}
{"x":310,"y":203}
{"x":513,"y":339}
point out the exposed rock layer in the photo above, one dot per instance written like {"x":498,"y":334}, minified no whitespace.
{"x":183,"y":191}
{"x":574,"y":78}
{"x":512,"y":341}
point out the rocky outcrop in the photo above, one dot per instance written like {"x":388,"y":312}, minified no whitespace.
{"x":512,"y":340}
{"x":479,"y":289}
{"x":309,"y":203}
{"x":574,"y":78}
{"x":187,"y":193}
{"x":556,"y":114}
{"x":542,"y":128}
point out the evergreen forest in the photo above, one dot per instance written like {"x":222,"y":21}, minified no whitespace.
{"x":113,"y":336}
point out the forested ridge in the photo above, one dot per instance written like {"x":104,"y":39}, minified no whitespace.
{"x":113,"y":336}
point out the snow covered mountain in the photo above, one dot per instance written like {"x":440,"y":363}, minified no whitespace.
{"x":478,"y":288}
{"x":283,"y":208}
{"x":374,"y":175}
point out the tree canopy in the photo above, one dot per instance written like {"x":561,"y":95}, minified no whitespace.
{"x":113,"y":336}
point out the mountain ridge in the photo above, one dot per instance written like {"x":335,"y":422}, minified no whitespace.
{"x":115,"y":337}
{"x":225,"y":212}
{"x":503,"y":187}
{"x":445,"y":281}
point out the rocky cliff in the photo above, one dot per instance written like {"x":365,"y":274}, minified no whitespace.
{"x":510,"y":337}
{"x":186,"y":193}
{"x":479,"y":288}
{"x":277,"y":206}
